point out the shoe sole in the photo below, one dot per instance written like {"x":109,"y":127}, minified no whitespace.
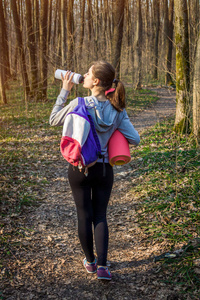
{"x":90,"y":271}
{"x":104,"y":278}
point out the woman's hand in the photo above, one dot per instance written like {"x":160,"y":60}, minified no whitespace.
{"x":67,"y":80}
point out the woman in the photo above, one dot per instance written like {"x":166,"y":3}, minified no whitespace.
{"x":91,"y":193}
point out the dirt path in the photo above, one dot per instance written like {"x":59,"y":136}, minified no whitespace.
{"x":48,"y":264}
{"x":163,"y":108}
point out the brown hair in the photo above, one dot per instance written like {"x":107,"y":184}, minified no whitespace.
{"x":106,"y":74}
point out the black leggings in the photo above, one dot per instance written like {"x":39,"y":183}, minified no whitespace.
{"x":91,"y":195}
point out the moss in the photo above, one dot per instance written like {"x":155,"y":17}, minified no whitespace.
{"x":183,"y":126}
{"x":178,"y":38}
{"x":182,"y":67}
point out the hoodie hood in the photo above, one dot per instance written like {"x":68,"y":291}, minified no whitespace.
{"x":103,"y":113}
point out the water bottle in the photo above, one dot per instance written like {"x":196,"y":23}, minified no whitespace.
{"x":77,"y":78}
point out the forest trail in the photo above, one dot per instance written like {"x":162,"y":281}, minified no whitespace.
{"x":164,"y":108}
{"x":48,"y":264}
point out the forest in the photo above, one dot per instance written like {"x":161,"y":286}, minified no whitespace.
{"x":144,"y":40}
{"x":154,"y":46}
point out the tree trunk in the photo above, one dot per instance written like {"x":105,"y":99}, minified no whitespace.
{"x":32,"y":48}
{"x":118,"y":14}
{"x":70,"y":36}
{"x":156,"y":16}
{"x":49,"y":34}
{"x":63,"y":31}
{"x":36,"y":30}
{"x":2,"y":63}
{"x":168,"y":76}
{"x":196,"y":93}
{"x":82,"y":28}
{"x":43,"y":48}
{"x":132,"y":37}
{"x":89,"y":16}
{"x":147,"y":35}
{"x":193,"y":6}
{"x":139,"y":34}
{"x":165,"y":28}
{"x":96,"y":31}
{"x":127,"y":36}
{"x":5,"y":54}
{"x":182,"y":67}
{"x":21,"y":49}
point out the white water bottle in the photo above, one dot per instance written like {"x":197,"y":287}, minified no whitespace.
{"x":77,"y":78}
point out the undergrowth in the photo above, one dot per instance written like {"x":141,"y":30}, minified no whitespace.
{"x":167,"y":188}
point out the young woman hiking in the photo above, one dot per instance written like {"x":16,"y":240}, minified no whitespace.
{"x":91,"y":193}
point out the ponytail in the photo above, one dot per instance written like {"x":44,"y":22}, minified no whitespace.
{"x":117,"y":96}
{"x":106,"y":74}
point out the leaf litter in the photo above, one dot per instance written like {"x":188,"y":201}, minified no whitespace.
{"x":41,"y":257}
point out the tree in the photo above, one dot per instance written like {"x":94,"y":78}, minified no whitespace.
{"x":170,"y":30}
{"x":193,"y":6}
{"x":182,"y":67}
{"x":147,"y":34}
{"x":70,"y":35}
{"x":196,"y":93}
{"x":118,"y":22}
{"x":20,"y":48}
{"x":139,"y":43}
{"x":82,"y":28}
{"x":32,"y":48}
{"x":43,"y":48}
{"x":5,"y":48}
{"x":156,"y":23}
{"x":63,"y":30}
{"x":2,"y":65}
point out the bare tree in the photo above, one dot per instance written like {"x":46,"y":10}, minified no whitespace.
{"x":2,"y":50}
{"x":5,"y":41}
{"x":32,"y":48}
{"x":139,"y":34}
{"x":196,"y":93}
{"x":156,"y":22}
{"x":64,"y":6}
{"x":43,"y":48}
{"x":70,"y":35}
{"x":182,"y":67}
{"x":82,"y":27}
{"x":20,"y":48}
{"x":147,"y":32}
{"x":168,"y":76}
{"x":193,"y":6}
{"x":118,"y":22}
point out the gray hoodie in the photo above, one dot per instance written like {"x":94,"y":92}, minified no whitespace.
{"x":106,"y":119}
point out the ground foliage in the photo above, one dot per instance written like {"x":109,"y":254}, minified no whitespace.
{"x":153,"y":214}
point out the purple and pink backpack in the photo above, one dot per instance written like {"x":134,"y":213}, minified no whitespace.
{"x":80,"y":144}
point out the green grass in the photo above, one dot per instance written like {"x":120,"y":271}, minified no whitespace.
{"x":138,"y":99}
{"x":167,"y":188}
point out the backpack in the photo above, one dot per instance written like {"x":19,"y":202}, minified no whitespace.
{"x":80,"y":144}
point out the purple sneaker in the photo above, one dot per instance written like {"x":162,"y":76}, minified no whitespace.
{"x":90,"y":267}
{"x":103,"y":273}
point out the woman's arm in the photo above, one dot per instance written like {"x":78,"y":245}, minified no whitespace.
{"x":128,"y":130}
{"x":59,"y":111}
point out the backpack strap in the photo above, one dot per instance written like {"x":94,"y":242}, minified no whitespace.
{"x":81,"y":101}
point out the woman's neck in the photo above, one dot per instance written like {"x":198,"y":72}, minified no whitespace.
{"x":100,"y":95}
